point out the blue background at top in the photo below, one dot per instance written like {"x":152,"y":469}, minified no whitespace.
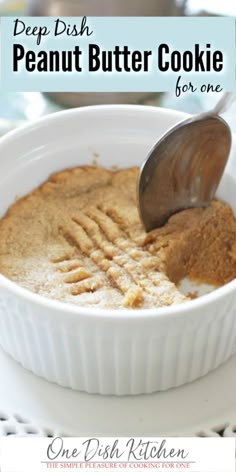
{"x":138,"y":34}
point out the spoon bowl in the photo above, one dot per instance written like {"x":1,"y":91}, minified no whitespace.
{"x":185,"y":166}
{"x":185,"y":169}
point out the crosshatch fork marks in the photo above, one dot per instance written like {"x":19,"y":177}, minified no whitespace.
{"x":84,"y":233}
{"x":68,"y":266}
{"x":127,"y":267}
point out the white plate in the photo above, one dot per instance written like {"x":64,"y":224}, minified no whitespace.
{"x":204,"y":407}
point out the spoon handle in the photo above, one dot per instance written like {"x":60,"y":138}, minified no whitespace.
{"x":224,"y":103}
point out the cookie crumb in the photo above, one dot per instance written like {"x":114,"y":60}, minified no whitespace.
{"x":95,"y":159}
{"x":193,"y":295}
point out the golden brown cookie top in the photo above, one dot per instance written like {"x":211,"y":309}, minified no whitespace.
{"x":78,"y":238}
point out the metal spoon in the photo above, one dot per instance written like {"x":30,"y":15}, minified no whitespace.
{"x":185,"y":166}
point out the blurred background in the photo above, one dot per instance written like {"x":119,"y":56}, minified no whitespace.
{"x":16,"y":108}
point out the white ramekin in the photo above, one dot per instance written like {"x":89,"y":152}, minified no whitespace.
{"x":106,"y":351}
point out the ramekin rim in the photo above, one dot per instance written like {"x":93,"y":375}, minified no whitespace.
{"x":17,"y":132}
